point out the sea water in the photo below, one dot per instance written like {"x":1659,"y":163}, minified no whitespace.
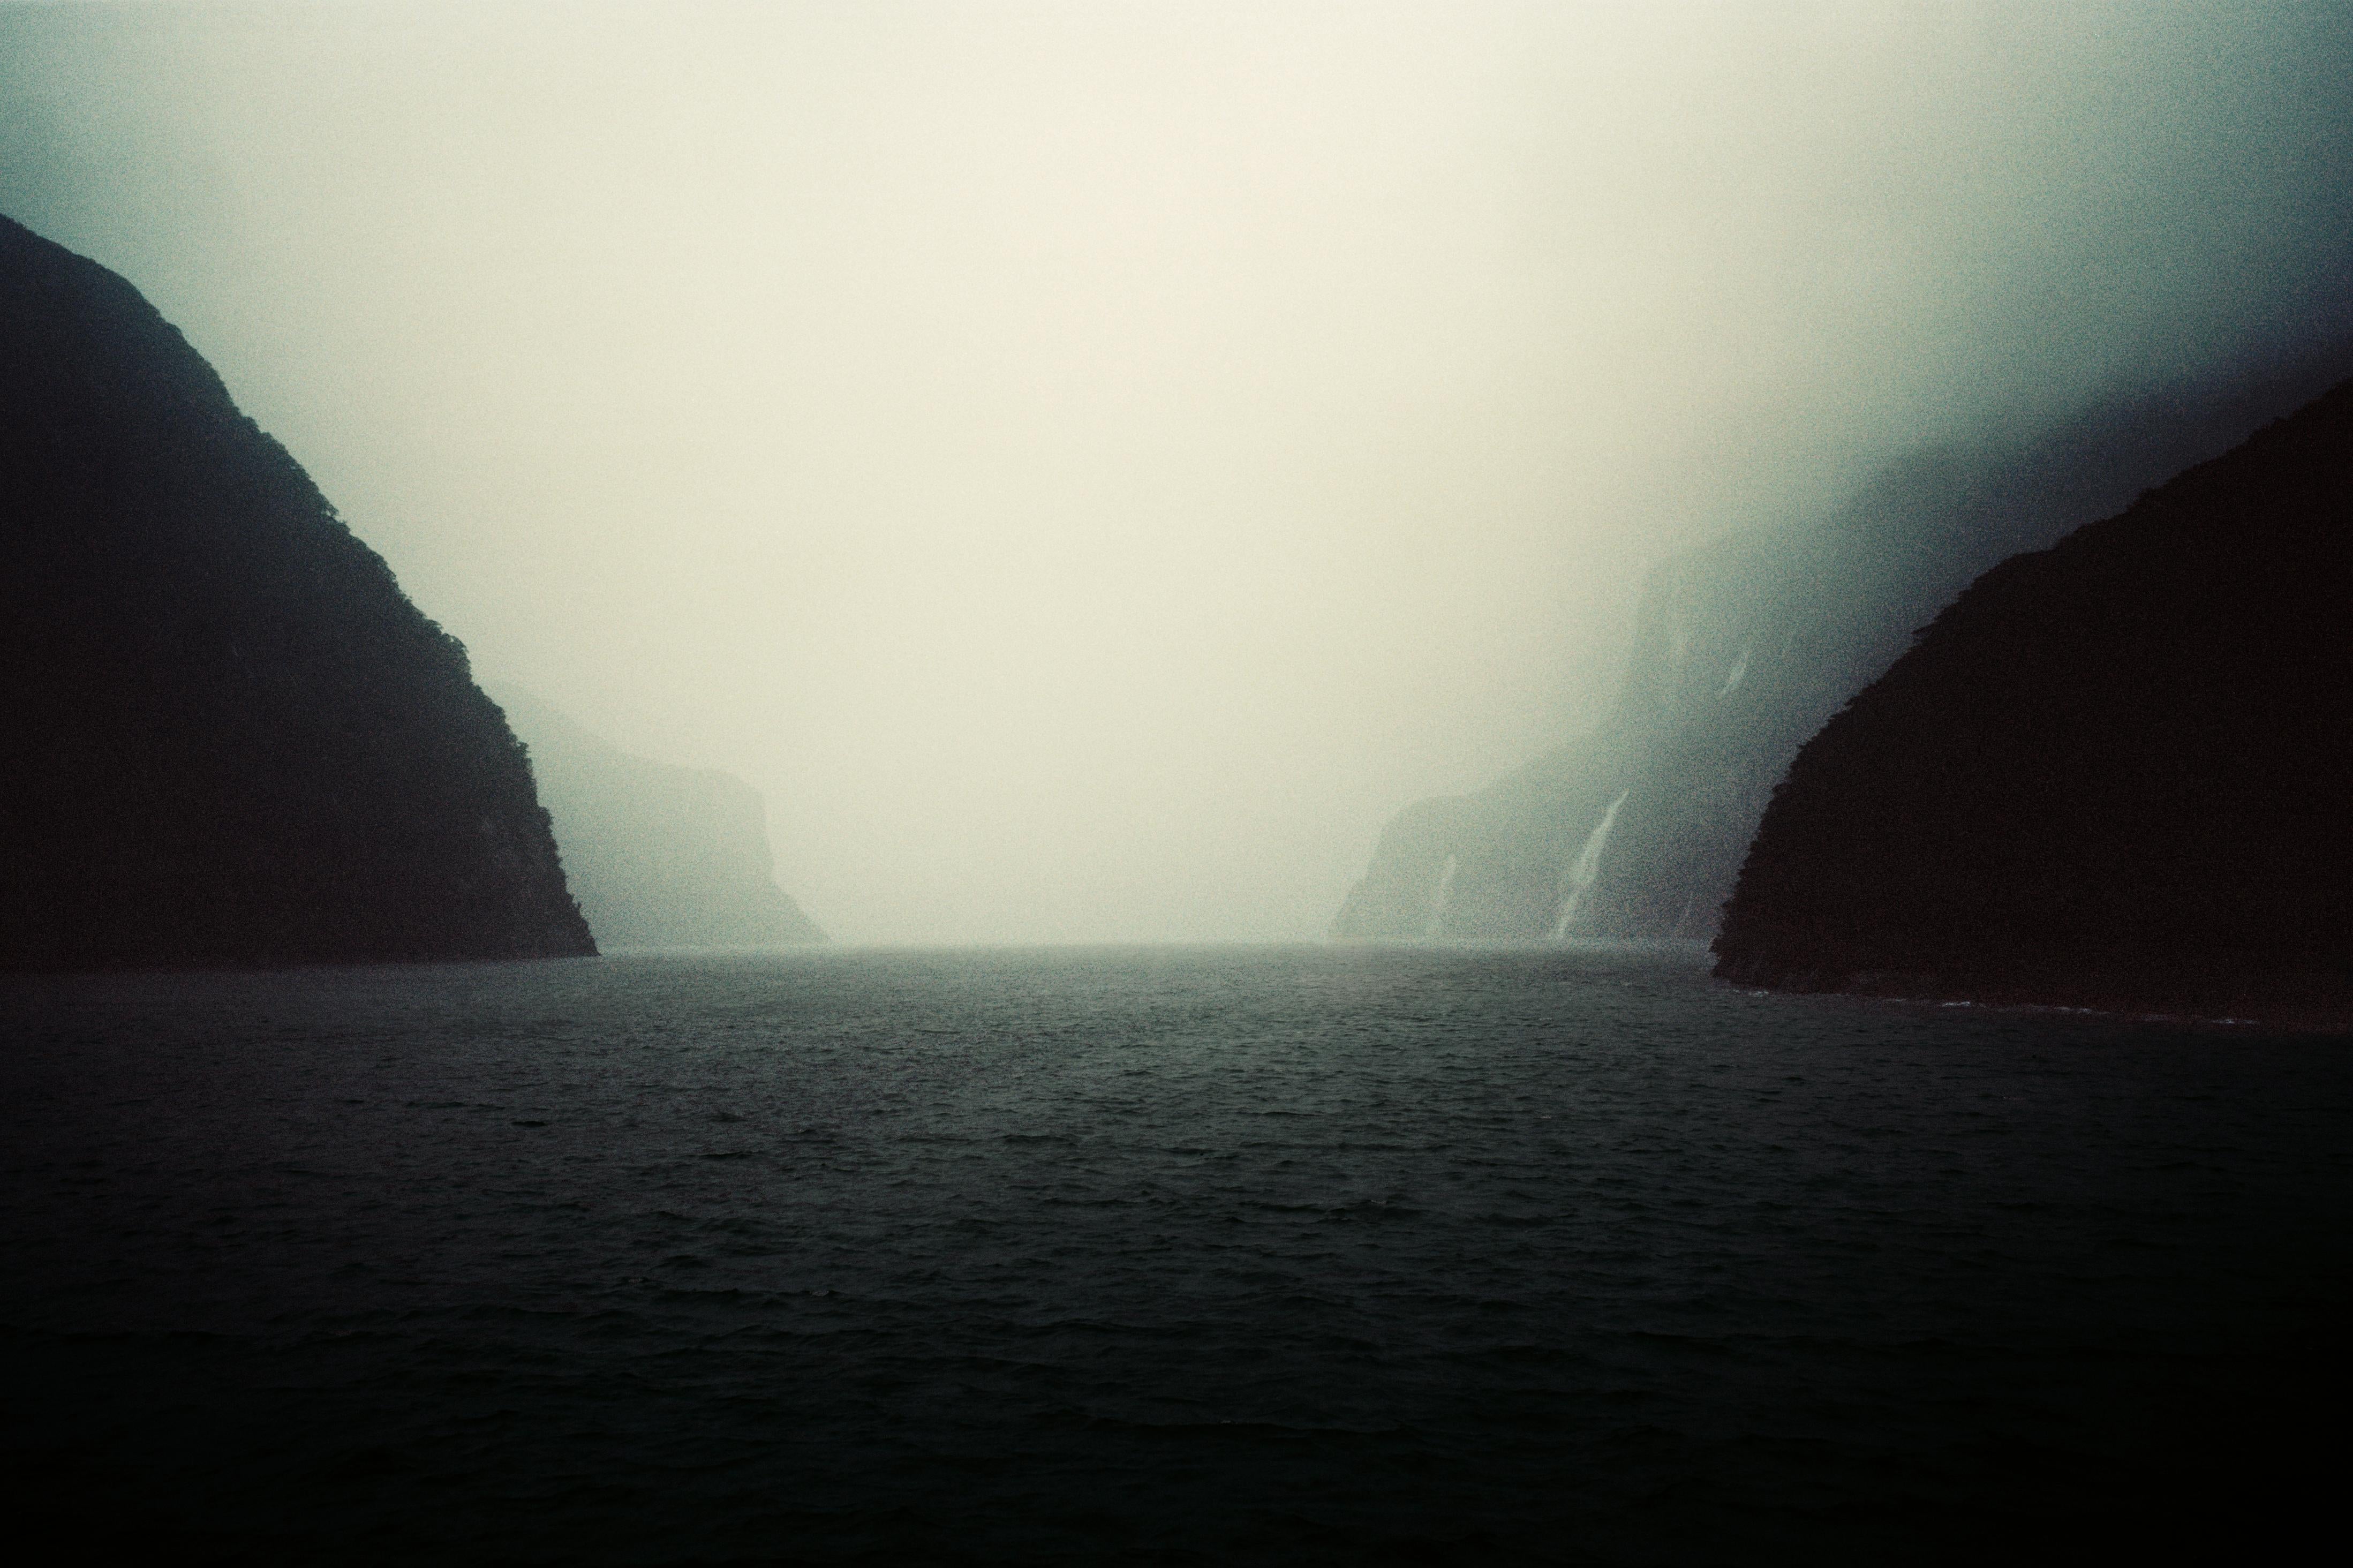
{"x":1165,"y":1255}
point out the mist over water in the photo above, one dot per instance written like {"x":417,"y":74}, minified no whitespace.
{"x":1088,"y":466}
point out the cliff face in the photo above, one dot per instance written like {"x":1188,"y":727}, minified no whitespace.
{"x":231,"y":740}
{"x":2116,"y":772}
{"x":1616,"y":834}
{"x":1742,"y":650}
{"x":658,"y":856}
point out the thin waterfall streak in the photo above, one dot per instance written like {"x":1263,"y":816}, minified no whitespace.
{"x":1586,"y":867}
{"x":1444,"y":897}
{"x":1739,"y":668}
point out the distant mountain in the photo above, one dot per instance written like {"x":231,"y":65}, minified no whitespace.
{"x":230,"y":738}
{"x":660,"y":856}
{"x":2116,"y":773}
{"x":1742,"y":650}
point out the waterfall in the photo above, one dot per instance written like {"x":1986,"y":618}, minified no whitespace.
{"x":1739,"y":668}
{"x":1444,"y":897}
{"x":1585,"y":867}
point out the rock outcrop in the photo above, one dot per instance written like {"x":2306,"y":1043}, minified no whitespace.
{"x":660,"y":856}
{"x":230,"y":738}
{"x":2117,"y":772}
{"x":1743,"y":649}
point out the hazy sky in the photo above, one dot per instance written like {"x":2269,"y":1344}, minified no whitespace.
{"x":1090,"y":464}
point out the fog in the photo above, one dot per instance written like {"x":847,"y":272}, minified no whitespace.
{"x":1089,"y":463}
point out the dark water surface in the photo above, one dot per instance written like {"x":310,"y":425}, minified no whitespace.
{"x":1158,"y":1255}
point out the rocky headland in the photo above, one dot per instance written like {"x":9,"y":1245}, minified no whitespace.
{"x":658,"y":856}
{"x":232,"y":740}
{"x":2116,"y":774}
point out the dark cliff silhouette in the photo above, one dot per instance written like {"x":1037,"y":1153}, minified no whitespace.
{"x":658,"y":856}
{"x":1743,"y":649}
{"x":2117,"y":772}
{"x":230,"y":738}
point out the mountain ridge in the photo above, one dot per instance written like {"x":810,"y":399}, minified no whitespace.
{"x":1743,"y":649}
{"x":2114,"y":772}
{"x":237,"y":742}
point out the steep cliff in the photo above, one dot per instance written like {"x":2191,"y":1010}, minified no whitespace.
{"x":658,"y":856}
{"x":1742,"y":650}
{"x":231,"y":740}
{"x":2116,"y":772}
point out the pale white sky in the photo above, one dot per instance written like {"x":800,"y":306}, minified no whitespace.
{"x":1089,"y":463}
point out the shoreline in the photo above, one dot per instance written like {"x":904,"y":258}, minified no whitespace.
{"x":2302,"y":1003}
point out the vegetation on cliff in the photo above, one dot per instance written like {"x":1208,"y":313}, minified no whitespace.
{"x":231,"y":738}
{"x":2116,"y":773}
